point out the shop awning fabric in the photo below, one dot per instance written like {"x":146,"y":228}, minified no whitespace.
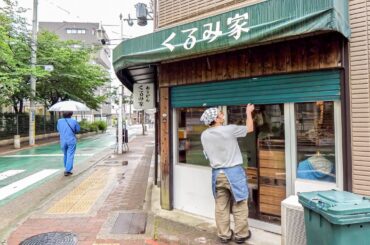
{"x":265,"y":21}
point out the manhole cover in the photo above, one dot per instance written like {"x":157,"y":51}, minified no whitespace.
{"x":130,"y":223}
{"x":52,"y":238}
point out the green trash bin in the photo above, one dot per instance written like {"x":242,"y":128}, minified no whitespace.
{"x":336,"y":218}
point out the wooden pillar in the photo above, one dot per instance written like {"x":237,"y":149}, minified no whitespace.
{"x":166,"y":169}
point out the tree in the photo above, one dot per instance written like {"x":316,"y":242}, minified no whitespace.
{"x":74,"y":76}
{"x":15,"y":52}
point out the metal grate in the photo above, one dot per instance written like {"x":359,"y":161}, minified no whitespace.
{"x":52,"y":238}
{"x":130,"y":223}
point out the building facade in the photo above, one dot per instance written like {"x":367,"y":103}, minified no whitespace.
{"x":289,"y":58}
{"x":90,"y":34}
{"x":359,"y":64}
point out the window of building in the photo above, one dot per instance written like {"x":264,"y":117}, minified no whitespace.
{"x":315,"y":135}
{"x":189,"y":129}
{"x":76,"y":31}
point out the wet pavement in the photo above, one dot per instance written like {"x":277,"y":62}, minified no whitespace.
{"x":111,"y":200}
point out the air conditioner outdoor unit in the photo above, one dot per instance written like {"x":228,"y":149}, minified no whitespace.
{"x":292,"y":222}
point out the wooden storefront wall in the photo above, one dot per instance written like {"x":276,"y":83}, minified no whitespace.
{"x":359,"y":59}
{"x":307,"y":54}
{"x":300,"y":55}
{"x":182,"y":11}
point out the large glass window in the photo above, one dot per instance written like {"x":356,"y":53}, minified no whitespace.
{"x":263,"y":153}
{"x":315,"y":140}
{"x":190,"y":128}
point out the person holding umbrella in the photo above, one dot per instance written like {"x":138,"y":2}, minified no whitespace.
{"x":67,"y":128}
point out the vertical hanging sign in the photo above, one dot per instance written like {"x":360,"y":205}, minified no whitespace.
{"x":143,"y":96}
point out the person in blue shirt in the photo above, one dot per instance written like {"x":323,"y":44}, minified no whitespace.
{"x":67,"y":128}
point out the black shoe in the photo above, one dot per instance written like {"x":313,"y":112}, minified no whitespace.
{"x":67,"y":173}
{"x":243,"y":239}
{"x":227,"y":240}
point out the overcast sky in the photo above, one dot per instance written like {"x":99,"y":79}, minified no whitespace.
{"x":105,"y":11}
{"x":101,"y":11}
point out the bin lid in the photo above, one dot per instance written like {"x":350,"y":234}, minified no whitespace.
{"x":338,"y":207}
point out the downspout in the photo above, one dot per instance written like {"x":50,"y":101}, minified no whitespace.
{"x":346,"y":118}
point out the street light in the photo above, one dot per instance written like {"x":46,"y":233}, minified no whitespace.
{"x":142,"y":16}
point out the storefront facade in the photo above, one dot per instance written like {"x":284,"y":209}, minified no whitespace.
{"x":286,"y":57}
{"x":359,"y":80}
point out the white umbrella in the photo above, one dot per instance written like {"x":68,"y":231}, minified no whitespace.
{"x":69,"y":105}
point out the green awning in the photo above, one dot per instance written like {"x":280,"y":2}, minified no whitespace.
{"x":261,"y":22}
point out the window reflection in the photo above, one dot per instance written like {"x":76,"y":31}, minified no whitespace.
{"x":264,"y":159}
{"x":190,"y":128}
{"x":315,"y":140}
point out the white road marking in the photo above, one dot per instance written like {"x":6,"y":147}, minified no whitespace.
{"x":47,"y":155}
{"x":24,"y":183}
{"x":9,"y":173}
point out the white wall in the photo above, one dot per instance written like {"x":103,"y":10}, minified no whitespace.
{"x":193,"y":189}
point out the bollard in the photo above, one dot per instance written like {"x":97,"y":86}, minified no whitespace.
{"x":17,"y":141}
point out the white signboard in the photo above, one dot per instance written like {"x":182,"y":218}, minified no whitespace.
{"x":144,"y":96}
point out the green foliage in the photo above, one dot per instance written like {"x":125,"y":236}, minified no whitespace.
{"x":15,"y":52}
{"x":74,"y":76}
{"x":102,"y":126}
{"x":84,"y":126}
{"x":93,"y":127}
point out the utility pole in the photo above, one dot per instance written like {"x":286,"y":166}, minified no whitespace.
{"x":119,"y":134}
{"x":32,"y":126}
{"x":120,"y":94}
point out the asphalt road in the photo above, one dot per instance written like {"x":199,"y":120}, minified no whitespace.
{"x":27,"y":169}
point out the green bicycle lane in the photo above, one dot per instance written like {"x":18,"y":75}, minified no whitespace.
{"x":29,"y":168}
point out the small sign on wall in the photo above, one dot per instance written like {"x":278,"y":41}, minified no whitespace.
{"x":144,"y":96}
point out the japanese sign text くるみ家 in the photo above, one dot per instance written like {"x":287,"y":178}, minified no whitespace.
{"x":236,"y":25}
{"x":265,"y":21}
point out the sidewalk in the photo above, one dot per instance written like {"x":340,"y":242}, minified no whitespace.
{"x":115,"y":202}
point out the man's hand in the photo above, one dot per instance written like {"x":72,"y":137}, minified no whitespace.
{"x":249,"y":122}
{"x":250,"y":108}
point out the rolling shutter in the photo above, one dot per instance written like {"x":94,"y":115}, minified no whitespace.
{"x":300,"y":87}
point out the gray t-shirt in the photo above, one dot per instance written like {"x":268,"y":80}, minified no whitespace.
{"x":221,"y":146}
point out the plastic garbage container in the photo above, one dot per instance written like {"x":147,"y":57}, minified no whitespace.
{"x":336,"y":218}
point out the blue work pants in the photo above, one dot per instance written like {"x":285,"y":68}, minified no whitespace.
{"x":69,"y":150}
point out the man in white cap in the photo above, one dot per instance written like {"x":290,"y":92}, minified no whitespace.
{"x":229,"y":182}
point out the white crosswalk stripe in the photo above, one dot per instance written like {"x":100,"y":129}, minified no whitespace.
{"x":19,"y":185}
{"x":10,"y":173}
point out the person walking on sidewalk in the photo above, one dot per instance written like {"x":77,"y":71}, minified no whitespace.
{"x":229,"y":182}
{"x":67,"y":128}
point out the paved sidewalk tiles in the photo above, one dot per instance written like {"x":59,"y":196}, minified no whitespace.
{"x":80,"y":209}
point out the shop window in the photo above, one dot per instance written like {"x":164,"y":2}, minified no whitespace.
{"x":263,"y":153}
{"x":315,"y":141}
{"x":190,"y":128}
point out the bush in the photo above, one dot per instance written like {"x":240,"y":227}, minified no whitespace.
{"x":85,"y":126}
{"x":102,"y":126}
{"x":91,"y":127}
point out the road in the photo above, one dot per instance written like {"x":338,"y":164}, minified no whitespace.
{"x":27,"y":169}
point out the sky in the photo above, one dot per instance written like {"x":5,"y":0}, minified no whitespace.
{"x":99,"y":11}
{"x":102,"y":11}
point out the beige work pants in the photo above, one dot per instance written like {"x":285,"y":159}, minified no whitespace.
{"x":224,"y":200}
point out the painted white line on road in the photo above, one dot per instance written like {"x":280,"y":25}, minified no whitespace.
{"x":10,"y":173}
{"x":24,"y":183}
{"x":47,"y":155}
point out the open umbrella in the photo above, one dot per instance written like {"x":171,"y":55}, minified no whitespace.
{"x":69,"y":105}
